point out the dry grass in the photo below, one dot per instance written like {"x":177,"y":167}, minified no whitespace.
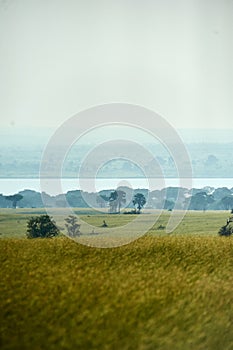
{"x":172,"y":292}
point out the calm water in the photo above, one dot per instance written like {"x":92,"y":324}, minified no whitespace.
{"x":11,"y":186}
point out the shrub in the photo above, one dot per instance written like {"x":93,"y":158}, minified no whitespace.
{"x":104,"y":224}
{"x":41,"y":227}
{"x":226,"y":230}
{"x":131,"y":212}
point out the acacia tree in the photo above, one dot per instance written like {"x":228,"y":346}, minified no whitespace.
{"x":116,"y":199}
{"x":139,"y":201}
{"x":113,"y":202}
{"x":72,"y":226}
{"x":15,"y":198}
{"x":121,"y":199}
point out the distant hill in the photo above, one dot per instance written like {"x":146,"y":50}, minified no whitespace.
{"x":21,"y":151}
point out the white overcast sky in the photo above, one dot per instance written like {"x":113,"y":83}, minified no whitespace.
{"x":58,"y":57}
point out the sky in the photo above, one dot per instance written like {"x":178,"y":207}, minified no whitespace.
{"x":60,"y":57}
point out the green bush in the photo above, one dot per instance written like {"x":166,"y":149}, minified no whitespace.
{"x":41,"y":227}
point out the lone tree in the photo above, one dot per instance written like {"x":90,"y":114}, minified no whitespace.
{"x":15,"y":198}
{"x":121,"y":199}
{"x":113,"y":202}
{"x":41,"y":227}
{"x":139,"y":201}
{"x":72,"y":226}
{"x":116,"y":199}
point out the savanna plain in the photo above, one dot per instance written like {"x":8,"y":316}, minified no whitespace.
{"x":161,"y":291}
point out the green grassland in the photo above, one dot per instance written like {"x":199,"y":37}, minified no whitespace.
{"x":159,"y":292}
{"x":13,"y":222}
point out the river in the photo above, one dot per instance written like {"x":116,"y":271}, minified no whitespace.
{"x":11,"y":186}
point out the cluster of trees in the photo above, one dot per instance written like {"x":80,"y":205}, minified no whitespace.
{"x":204,"y":201}
{"x":115,"y":200}
{"x":207,"y":198}
{"x":14,"y":199}
{"x":118,"y":198}
{"x":44,"y":226}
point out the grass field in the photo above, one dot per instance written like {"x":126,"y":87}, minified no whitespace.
{"x":159,"y":292}
{"x":13,"y":222}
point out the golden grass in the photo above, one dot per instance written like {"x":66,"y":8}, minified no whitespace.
{"x":171,"y":292}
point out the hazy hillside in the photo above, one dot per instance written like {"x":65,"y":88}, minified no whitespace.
{"x":210,"y":153}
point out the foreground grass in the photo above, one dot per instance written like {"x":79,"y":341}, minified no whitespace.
{"x":171,"y":292}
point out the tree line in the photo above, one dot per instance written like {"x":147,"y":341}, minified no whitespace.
{"x":206,"y":198}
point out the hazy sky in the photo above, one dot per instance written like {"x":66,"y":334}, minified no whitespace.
{"x":58,"y":57}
